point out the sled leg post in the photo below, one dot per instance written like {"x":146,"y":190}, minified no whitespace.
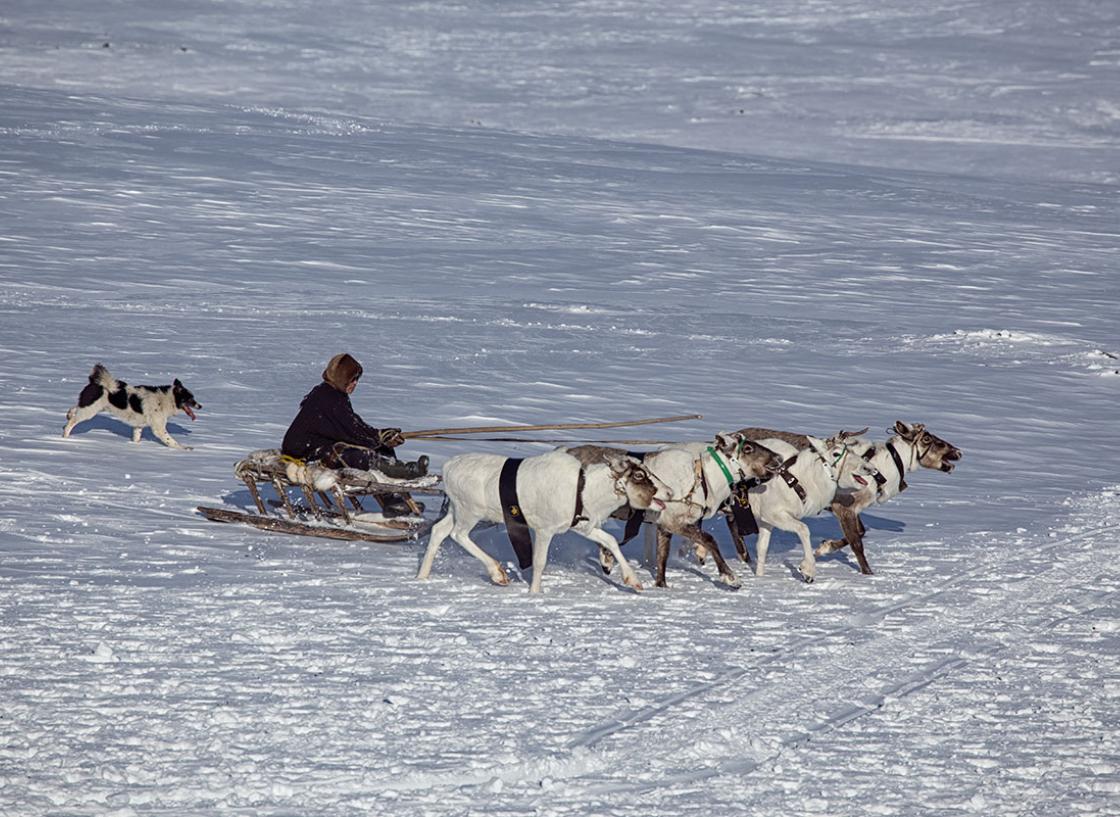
{"x":341,"y":505}
{"x":253,"y":492}
{"x":309,"y":496}
{"x":412,"y":506}
{"x":279,"y":486}
{"x":357,"y":503}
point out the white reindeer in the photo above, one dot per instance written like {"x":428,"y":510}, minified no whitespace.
{"x":911,"y":446}
{"x":546,"y":488}
{"x":820,"y":470}
{"x":699,"y":477}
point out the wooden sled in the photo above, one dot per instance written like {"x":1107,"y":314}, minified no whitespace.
{"x":329,"y":502}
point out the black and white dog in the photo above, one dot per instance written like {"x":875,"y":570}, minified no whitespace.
{"x":139,"y":406}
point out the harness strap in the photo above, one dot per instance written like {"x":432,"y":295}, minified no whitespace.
{"x":902,"y":486}
{"x":722,"y":467}
{"x":581,"y":480}
{"x":880,"y":480}
{"x":516,"y":527}
{"x":738,"y":507}
{"x":790,"y":480}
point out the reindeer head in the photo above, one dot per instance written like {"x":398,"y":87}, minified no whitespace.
{"x":843,"y":453}
{"x":641,"y":489}
{"x":932,"y":451}
{"x":749,"y":459}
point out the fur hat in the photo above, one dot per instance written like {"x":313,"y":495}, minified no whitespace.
{"x":341,"y":370}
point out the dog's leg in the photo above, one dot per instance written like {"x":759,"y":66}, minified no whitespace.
{"x":79,"y":414}
{"x":159,"y":428}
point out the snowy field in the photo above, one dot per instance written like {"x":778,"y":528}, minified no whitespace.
{"x":802,"y":215}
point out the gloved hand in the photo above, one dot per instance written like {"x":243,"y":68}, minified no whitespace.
{"x":390,"y":437}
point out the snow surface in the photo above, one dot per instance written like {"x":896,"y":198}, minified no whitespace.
{"x":803,"y":215}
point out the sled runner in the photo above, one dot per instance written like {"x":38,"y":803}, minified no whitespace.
{"x":328,"y":501}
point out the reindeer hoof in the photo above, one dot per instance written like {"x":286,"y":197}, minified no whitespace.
{"x":808,"y":579}
{"x":730,"y":580}
{"x":634,"y":584}
{"x":500,"y":576}
{"x":826,"y":547}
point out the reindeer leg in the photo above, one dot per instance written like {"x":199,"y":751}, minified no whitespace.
{"x":761,"y":546}
{"x":857,"y":545}
{"x":853,"y":529}
{"x":808,"y":566}
{"x":663,"y":540}
{"x":703,"y":539}
{"x":606,"y":560}
{"x":843,"y":514}
{"x":541,"y":541}
{"x":608,"y":546}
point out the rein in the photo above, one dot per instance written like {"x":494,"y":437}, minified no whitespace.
{"x":898,"y":464}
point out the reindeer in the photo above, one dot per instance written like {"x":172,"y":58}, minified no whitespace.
{"x":808,"y":482}
{"x":699,"y":477}
{"x":550,"y":503}
{"x":910,"y":447}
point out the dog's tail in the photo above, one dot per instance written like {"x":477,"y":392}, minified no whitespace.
{"x":100,"y":377}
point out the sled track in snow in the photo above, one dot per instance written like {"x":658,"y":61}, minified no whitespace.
{"x":883,"y":668}
{"x":604,"y":730}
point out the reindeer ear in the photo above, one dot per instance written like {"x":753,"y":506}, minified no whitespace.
{"x":902,"y":428}
{"x":177,"y":383}
{"x":848,"y":435}
{"x":728,"y":442}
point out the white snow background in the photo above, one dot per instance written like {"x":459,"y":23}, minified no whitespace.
{"x":800,"y":214}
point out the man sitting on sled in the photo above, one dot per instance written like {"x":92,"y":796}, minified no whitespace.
{"x":328,"y":429}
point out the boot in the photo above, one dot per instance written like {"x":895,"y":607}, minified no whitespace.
{"x":395,"y":505}
{"x":400,"y":470}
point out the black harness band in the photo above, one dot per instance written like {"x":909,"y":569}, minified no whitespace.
{"x":581,"y":480}
{"x":790,"y":479}
{"x":880,"y":480}
{"x":516,"y":527}
{"x":902,"y":486}
{"x":739,"y":504}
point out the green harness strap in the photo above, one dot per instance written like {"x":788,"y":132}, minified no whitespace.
{"x":722,"y":467}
